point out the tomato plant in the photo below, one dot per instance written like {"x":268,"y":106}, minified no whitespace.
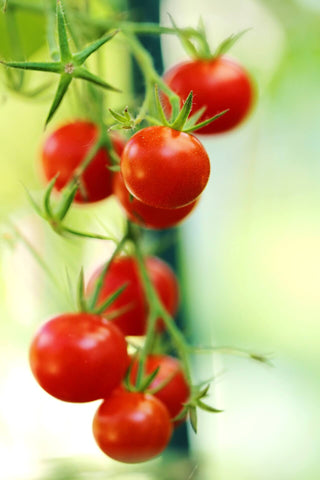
{"x":132,"y":427}
{"x":65,"y":149}
{"x":78,"y":357}
{"x":160,"y":174}
{"x":175,"y":390}
{"x":145,"y":215}
{"x":132,"y":304}
{"x":165,"y":168}
{"x":218,"y":84}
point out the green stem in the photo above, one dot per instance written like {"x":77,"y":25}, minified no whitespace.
{"x":157,"y":310}
{"x":99,"y":283}
{"x":152,"y":78}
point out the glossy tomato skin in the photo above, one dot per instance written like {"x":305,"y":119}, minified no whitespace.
{"x":145,"y":215}
{"x":65,"y":149}
{"x":132,"y":301}
{"x":78,"y":357}
{"x":132,"y":427}
{"x":165,"y":168}
{"x":176,"y":391}
{"x":219,"y":84}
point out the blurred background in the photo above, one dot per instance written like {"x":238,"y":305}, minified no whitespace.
{"x":249,"y":261}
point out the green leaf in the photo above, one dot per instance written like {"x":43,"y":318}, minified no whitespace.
{"x":62,"y":34}
{"x":64,"y":83}
{"x":81,"y":72}
{"x":229,"y":42}
{"x":80,"y":57}
{"x":192,"y":120}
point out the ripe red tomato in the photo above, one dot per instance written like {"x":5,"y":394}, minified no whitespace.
{"x":78,"y":357}
{"x":65,"y":149}
{"x":132,"y":427}
{"x":133,"y":301}
{"x":144,"y":215}
{"x":165,"y":168}
{"x":218,"y":84}
{"x":176,"y":391}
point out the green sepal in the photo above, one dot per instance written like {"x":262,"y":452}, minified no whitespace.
{"x":47,"y":198}
{"x":148,"y":380}
{"x":66,"y":201}
{"x":205,"y":122}
{"x":110,"y":299}
{"x":62,"y":34}
{"x":53,"y":67}
{"x":186,"y":43}
{"x":81,"y":72}
{"x":182,"y":118}
{"x":80,"y":57}
{"x":228,"y":43}
{"x":114,"y":168}
{"x":208,"y":408}
{"x":64,"y":83}
{"x":192,"y":120}
{"x":82,"y":304}
{"x":159,"y":107}
{"x":193,"y":418}
{"x":34,"y":203}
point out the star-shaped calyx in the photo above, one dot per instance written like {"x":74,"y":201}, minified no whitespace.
{"x":69,"y":65}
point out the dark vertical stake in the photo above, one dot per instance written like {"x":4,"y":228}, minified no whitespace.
{"x":148,"y":11}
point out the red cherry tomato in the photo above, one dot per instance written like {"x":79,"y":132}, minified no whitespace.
{"x":132,"y":302}
{"x":218,"y":84}
{"x":132,"y":427}
{"x":65,"y":149}
{"x":144,"y":215}
{"x":78,"y":357}
{"x":165,"y":168}
{"x":176,"y":391}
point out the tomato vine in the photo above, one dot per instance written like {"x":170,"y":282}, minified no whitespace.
{"x":163,"y":169}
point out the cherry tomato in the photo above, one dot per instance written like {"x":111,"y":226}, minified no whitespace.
{"x":217,"y":84}
{"x":132,"y":302}
{"x":66,"y":148}
{"x":144,"y":215}
{"x":78,"y":357}
{"x":176,"y":391}
{"x":165,"y":168}
{"x":132,"y":427}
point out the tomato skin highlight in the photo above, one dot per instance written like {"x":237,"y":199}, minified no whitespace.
{"x":124,"y":269}
{"x":219,"y":84}
{"x":78,"y":357}
{"x":165,"y":168}
{"x":175,"y":392}
{"x":132,"y":427}
{"x":145,"y":215}
{"x":65,"y":149}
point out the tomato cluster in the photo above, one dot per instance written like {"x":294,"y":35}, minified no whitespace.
{"x":158,"y":176}
{"x":82,"y":357}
